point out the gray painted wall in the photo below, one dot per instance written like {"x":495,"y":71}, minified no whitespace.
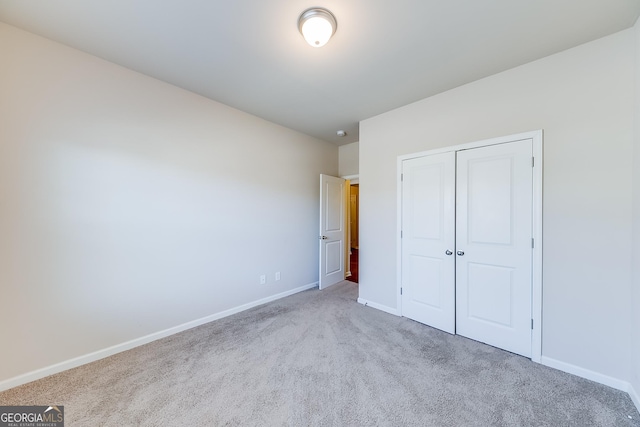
{"x":635,"y":297}
{"x":583,"y":99}
{"x":129,"y":206}
{"x":349,"y":159}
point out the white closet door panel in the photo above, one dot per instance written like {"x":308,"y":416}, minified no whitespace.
{"x":428,"y":273}
{"x":493,"y":244}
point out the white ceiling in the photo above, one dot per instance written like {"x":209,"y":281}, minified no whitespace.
{"x":249,"y":54}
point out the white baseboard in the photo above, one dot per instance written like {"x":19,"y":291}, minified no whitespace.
{"x":118,"y":348}
{"x":635,"y":396}
{"x":594,"y":376}
{"x":379,"y":306}
{"x":586,"y":373}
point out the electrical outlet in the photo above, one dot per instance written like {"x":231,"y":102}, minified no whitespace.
{"x":277,"y":276}
{"x":263,"y":279}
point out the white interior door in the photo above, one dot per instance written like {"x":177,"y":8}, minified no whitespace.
{"x":494,"y":245}
{"x":332,"y":230}
{"x":428,"y":239}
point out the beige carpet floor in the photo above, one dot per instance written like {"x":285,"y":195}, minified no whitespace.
{"x":318,"y":358}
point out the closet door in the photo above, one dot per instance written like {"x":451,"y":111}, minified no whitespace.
{"x":494,"y":245}
{"x":428,"y":220}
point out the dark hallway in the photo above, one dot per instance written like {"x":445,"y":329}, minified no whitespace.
{"x":354,"y":266}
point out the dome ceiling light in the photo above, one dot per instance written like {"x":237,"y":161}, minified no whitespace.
{"x":317,"y":25}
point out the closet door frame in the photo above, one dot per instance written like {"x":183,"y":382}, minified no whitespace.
{"x":536,"y":297}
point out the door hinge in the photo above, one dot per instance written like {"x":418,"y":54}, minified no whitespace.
{"x":400,"y":291}
{"x":533,"y":162}
{"x":401,"y":177}
{"x":401,"y":234}
{"x":533,"y":245}
{"x":531,"y":323}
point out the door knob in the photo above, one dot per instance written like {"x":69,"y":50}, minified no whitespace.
{"x":448,"y":252}
{"x":460,"y":253}
{"x":323,"y":237}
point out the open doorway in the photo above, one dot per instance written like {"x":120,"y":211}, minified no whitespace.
{"x":354,"y":200}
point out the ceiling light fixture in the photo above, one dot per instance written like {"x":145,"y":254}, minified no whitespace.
{"x":341,"y":133}
{"x":317,"y":25}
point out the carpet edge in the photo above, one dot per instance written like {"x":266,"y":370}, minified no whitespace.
{"x":635,"y":397}
{"x":586,"y":373}
{"x":377,"y":306}
{"x":136,"y":342}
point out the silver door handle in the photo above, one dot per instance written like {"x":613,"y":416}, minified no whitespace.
{"x":323,"y":237}
{"x":448,"y":252}
{"x":460,"y":253}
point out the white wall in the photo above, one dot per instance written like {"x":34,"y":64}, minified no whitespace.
{"x":129,"y":206}
{"x":583,"y":99}
{"x":349,"y":159}
{"x":635,"y":297}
